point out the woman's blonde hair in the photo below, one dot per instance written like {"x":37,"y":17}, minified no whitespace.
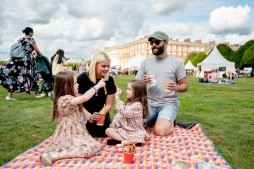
{"x":98,"y":57}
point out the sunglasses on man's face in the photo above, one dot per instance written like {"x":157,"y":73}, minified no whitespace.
{"x":157,"y":42}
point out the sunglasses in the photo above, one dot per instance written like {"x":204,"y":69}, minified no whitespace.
{"x":157,"y":42}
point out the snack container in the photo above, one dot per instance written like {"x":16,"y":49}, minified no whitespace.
{"x":128,"y":158}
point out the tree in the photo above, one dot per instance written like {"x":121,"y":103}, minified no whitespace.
{"x":199,"y":58}
{"x":248,"y":57}
{"x":237,"y":56}
{"x":190,"y":57}
{"x":225,"y":51}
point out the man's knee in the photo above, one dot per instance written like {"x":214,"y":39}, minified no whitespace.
{"x":163,"y":130}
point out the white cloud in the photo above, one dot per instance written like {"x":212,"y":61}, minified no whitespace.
{"x":165,"y":7}
{"x":231,"y":20}
{"x":82,"y":26}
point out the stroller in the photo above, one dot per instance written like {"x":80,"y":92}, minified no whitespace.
{"x":44,"y":68}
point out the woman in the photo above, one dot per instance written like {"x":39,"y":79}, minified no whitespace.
{"x":58,"y":61}
{"x":103,"y":100}
{"x":21,"y":74}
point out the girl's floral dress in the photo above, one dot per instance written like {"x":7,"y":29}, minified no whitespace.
{"x":128,"y":122}
{"x":21,"y":74}
{"x":71,"y":136}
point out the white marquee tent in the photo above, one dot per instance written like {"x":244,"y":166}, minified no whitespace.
{"x":215,"y":61}
{"x":189,"y":66}
{"x":134,"y":62}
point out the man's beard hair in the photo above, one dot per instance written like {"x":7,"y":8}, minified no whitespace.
{"x":160,"y":51}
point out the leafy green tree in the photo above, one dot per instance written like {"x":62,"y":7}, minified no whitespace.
{"x":190,"y":57}
{"x":237,"y":56}
{"x":248,"y":57}
{"x":225,"y":51}
{"x":198,"y":58}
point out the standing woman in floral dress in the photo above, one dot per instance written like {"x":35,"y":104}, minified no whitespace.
{"x":20,"y":74}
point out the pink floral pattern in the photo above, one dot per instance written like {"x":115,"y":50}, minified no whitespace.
{"x":71,"y":135}
{"x":129,"y":121}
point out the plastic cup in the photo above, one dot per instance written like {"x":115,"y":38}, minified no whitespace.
{"x":128,"y":158}
{"x":165,"y":85}
{"x":153,"y":80}
{"x":100,"y":122}
{"x":119,"y":148}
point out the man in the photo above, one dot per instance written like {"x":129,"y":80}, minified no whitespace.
{"x":165,"y":76}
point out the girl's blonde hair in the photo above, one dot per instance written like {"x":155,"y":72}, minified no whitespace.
{"x":63,"y":85}
{"x":139,"y":95}
{"x":99,"y":57}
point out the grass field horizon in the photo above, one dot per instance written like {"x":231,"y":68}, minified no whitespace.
{"x":226,"y":113}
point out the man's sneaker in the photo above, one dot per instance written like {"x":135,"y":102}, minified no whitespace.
{"x":9,"y":98}
{"x":39,"y":96}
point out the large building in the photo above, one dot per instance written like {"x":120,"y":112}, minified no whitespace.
{"x":122,"y":54}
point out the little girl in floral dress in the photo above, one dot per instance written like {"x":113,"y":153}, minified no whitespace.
{"x":71,"y":138}
{"x":127,"y":126}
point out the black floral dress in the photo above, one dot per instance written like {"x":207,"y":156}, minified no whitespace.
{"x":20,"y":75}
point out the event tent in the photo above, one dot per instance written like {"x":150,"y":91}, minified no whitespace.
{"x":189,"y":66}
{"x":134,"y":62}
{"x":215,"y":61}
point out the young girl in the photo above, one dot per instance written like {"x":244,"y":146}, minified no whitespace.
{"x":127,"y":126}
{"x":71,"y":138}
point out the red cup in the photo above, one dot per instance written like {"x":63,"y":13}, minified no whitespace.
{"x":128,"y":158}
{"x":100,"y":122}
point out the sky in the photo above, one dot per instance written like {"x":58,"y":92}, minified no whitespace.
{"x":80,"y":27}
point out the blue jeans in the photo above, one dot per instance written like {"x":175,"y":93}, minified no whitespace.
{"x":167,"y":112}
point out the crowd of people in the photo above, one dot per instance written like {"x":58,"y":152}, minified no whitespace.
{"x":78,"y":102}
{"x":213,"y":76}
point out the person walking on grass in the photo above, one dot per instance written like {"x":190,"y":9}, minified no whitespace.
{"x":166,"y":77}
{"x":20,"y":74}
{"x":58,"y":61}
{"x":71,"y":138}
{"x":127,"y":126}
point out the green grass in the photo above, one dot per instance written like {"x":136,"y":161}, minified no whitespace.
{"x":226,"y":113}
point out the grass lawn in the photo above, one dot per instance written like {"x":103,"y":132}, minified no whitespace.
{"x":226,"y":113}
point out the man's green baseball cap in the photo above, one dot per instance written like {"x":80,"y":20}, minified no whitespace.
{"x":159,"y":35}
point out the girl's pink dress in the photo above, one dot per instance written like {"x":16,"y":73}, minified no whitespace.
{"x":71,"y":135}
{"x":129,"y":121}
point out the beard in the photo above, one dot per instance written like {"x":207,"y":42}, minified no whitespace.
{"x":159,"y":51}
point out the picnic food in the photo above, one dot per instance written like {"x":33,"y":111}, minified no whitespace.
{"x":130,"y":148}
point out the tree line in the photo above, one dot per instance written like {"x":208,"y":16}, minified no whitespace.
{"x":243,"y":57}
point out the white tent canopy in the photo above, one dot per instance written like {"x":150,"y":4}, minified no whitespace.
{"x":216,"y":61}
{"x":190,"y":66}
{"x":134,"y":62}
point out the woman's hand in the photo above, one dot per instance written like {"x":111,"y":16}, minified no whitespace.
{"x":95,"y":117}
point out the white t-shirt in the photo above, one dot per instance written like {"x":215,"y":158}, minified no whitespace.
{"x":169,"y":68}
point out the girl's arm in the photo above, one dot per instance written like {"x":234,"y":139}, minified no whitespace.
{"x":129,"y":111}
{"x":87,"y":115}
{"x":87,"y":95}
